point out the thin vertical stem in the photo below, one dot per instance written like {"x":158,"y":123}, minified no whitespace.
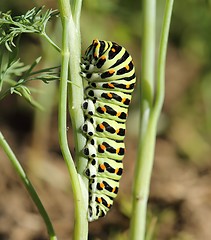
{"x":76,"y":95}
{"x":76,"y":11}
{"x":145,"y":156}
{"x":75,"y":99}
{"x":148,"y":53}
{"x":149,"y":117}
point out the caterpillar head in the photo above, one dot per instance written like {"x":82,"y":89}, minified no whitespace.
{"x":93,"y":50}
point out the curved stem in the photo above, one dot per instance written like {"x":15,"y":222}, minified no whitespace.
{"x":51,"y":42}
{"x":10,"y":154}
{"x":76,"y":90}
{"x":160,"y":91}
{"x":70,"y":63}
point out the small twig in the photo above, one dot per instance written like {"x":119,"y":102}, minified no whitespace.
{"x":13,"y":159}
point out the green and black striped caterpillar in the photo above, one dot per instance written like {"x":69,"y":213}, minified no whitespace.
{"x":110,"y":74}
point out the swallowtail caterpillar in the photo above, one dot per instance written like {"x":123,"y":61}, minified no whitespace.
{"x":110,"y":75}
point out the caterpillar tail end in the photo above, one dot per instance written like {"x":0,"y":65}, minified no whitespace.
{"x":95,"y":212}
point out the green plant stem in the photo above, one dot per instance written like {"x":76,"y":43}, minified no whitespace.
{"x":70,"y":63}
{"x":10,"y":154}
{"x":149,"y":117}
{"x":76,"y":90}
{"x":160,"y":93}
{"x":75,"y":99}
{"x":145,"y":157}
{"x":148,"y":54}
{"x":51,"y":42}
{"x":76,"y":11}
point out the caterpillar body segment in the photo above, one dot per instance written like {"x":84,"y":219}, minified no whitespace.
{"x":100,"y":147}
{"x":112,"y":96}
{"x":98,"y":127}
{"x":124,"y":86}
{"x":104,"y":110}
{"x":104,"y":168}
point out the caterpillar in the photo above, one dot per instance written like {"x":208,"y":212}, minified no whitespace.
{"x":109,"y":74}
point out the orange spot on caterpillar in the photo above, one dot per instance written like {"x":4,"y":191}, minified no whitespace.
{"x":118,"y":114}
{"x":102,"y":166}
{"x":123,"y":100}
{"x":113,"y":50}
{"x":111,"y":71}
{"x":99,"y":200}
{"x":111,"y":85}
{"x":103,"y":147}
{"x":128,"y":86}
{"x":103,"y":109}
{"x":117,"y":150}
{"x":113,"y":190}
{"x":102,"y":185}
{"x":109,"y":95}
{"x":101,"y":126}
{"x":116,"y":170}
{"x":127,"y":67}
{"x":103,"y":57}
{"x":117,"y":131}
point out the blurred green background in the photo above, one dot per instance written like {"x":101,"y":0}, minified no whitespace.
{"x":180,"y":198}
